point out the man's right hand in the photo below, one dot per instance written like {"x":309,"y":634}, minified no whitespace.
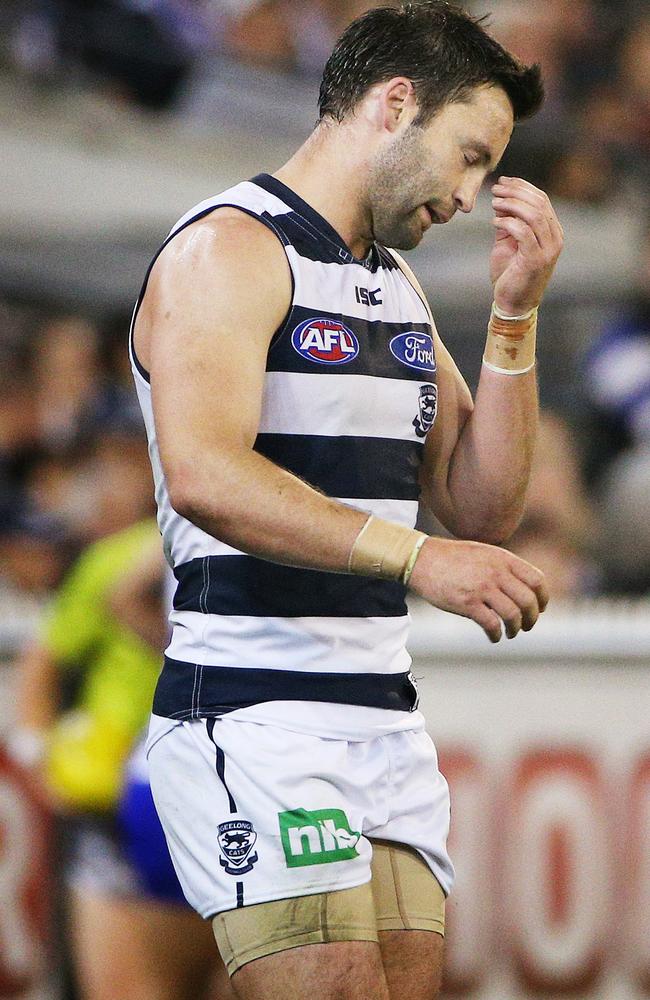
{"x":482,"y":582}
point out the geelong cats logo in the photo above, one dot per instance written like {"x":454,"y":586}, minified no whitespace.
{"x":236,"y":840}
{"x":428,"y":405}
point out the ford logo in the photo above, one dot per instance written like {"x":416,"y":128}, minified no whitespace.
{"x":415,"y":350}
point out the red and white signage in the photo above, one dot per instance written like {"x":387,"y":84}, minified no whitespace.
{"x":25,"y":887}
{"x":549,"y":769}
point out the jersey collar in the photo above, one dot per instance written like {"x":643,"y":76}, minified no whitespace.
{"x":295,"y":202}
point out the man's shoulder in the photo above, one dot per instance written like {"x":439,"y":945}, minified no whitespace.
{"x":225,"y":233}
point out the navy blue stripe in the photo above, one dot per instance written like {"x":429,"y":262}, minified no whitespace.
{"x":309,"y":243}
{"x":386,"y":259}
{"x":220,"y":764}
{"x":224,"y":689}
{"x":327,"y":243}
{"x":358,"y":468}
{"x":240,"y":895}
{"x":246,"y":586}
{"x":374,"y":357}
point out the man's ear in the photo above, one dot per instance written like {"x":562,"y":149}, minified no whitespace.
{"x":397,"y":103}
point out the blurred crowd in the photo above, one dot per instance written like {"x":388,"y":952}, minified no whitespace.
{"x":73,"y":459}
{"x":591,"y":143}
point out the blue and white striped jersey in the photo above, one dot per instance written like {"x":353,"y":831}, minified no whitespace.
{"x":349,"y":397}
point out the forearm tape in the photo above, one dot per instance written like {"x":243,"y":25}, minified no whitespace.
{"x":510,"y":344}
{"x":385,"y":550}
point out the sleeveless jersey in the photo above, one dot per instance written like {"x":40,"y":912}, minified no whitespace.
{"x":349,"y":396}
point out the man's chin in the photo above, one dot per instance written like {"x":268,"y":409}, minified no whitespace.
{"x":407,"y":242}
{"x":404,"y":239}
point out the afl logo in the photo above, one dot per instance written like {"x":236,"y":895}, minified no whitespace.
{"x":415,"y":350}
{"x":325,"y":341}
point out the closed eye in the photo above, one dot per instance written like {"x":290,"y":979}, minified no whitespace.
{"x":477,"y":154}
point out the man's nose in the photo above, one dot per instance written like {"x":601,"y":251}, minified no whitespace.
{"x":466,"y":195}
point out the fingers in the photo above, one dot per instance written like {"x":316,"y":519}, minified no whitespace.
{"x":488,"y":585}
{"x":526,"y":600}
{"x":487,"y":619}
{"x":520,"y":231}
{"x":509,"y":189}
{"x":533,"y":578}
{"x":517,"y":600}
{"x":532,"y":215}
{"x":508,"y":611}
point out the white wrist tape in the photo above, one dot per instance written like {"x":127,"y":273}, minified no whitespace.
{"x":508,"y":371}
{"x":385,"y":550}
{"x":513,"y":319}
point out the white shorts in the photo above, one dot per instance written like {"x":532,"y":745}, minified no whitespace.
{"x":254,"y":813}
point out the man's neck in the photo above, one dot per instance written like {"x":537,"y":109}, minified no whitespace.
{"x":328,"y":174}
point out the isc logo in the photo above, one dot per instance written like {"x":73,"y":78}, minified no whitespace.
{"x":325,"y":341}
{"x":367,"y":297}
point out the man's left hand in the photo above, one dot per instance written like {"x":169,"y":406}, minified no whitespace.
{"x":528,"y":243}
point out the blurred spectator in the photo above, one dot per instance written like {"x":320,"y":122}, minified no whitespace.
{"x":624,"y":505}
{"x":585,"y":174}
{"x":290,"y":36}
{"x":73,"y":457}
{"x":120,"y":476}
{"x":141,"y":49}
{"x":617,"y":389}
{"x":65,"y":378}
{"x":35,"y":551}
{"x":617,"y":384}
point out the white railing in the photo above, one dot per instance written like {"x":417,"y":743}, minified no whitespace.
{"x":594,"y":629}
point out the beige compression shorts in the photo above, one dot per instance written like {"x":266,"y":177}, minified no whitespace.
{"x":403,"y":894}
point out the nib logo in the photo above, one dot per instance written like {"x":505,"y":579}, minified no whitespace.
{"x":317,"y":837}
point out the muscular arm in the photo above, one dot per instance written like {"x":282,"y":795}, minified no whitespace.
{"x":216,"y":296}
{"x":478,"y":455}
{"x":38,"y":688}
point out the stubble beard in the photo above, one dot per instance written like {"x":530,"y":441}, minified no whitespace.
{"x":392,"y":193}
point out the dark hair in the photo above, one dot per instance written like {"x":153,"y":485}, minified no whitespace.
{"x":445,"y":52}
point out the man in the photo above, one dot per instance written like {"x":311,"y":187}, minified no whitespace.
{"x":287,"y":366}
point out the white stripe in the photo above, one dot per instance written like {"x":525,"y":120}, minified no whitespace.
{"x":399,"y":511}
{"x":337,"y":645}
{"x":247,"y":195}
{"x":340,"y":405}
{"x":319,"y":284}
{"x":192,"y":543}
